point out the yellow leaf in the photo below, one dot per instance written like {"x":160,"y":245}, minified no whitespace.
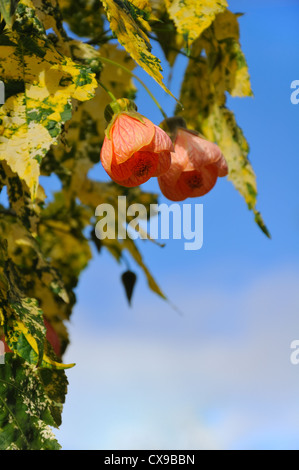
{"x":25,"y":252}
{"x":21,"y":146}
{"x":86,"y":130}
{"x":192,"y":17}
{"x":45,"y":10}
{"x":20,"y":328}
{"x":222,"y":68}
{"x":124,"y":18}
{"x":61,"y":237}
{"x":169,"y":38}
{"x":129,"y":245}
{"x":32,"y":120}
{"x":221,"y":126}
{"x":7,"y":9}
{"x":224,"y":39}
{"x":114,"y":78}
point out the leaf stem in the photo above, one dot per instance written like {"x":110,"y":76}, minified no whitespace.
{"x":179,"y":51}
{"x":111,"y":62}
{"x":108,"y":91}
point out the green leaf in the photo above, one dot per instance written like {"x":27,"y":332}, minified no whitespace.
{"x":170,"y":40}
{"x":55,"y":385}
{"x":7,"y":10}
{"x":21,"y":341}
{"x":85,"y":18}
{"x":24,"y":324}
{"x":25,"y":414}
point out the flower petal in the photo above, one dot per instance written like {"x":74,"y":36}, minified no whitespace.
{"x":137,"y":170}
{"x":168,"y":180}
{"x":197,"y":183}
{"x":170,"y":191}
{"x":129,"y":135}
{"x":195,"y":167}
{"x":222,"y":167}
{"x":191,"y":144}
{"x":161,"y":142}
{"x":164,"y":162}
{"x":106,"y":155}
{"x":201,"y":152}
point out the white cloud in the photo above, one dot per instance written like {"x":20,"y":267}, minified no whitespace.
{"x":219,"y":377}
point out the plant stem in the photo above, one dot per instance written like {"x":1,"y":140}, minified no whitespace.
{"x":108,"y":91}
{"x":179,"y":51}
{"x":111,"y":62}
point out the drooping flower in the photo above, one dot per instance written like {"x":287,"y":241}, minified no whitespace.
{"x":195,"y":167}
{"x":134,"y":148}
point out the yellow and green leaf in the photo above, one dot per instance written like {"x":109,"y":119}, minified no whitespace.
{"x":192,"y":17}
{"x":128,"y":22}
{"x":218,"y":66}
{"x":84,"y":18}
{"x":32,"y":119}
{"x":7,"y":10}
{"x":28,"y":406}
{"x":21,"y":341}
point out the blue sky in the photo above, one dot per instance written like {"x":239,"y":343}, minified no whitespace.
{"x":218,"y":376}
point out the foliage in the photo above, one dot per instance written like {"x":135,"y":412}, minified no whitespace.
{"x":52,"y":122}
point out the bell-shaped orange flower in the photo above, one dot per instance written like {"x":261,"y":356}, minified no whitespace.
{"x":195,"y":167}
{"x":135,"y":149}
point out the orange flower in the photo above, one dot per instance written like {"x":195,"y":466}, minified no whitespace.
{"x":195,"y":167}
{"x":135,"y":149}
